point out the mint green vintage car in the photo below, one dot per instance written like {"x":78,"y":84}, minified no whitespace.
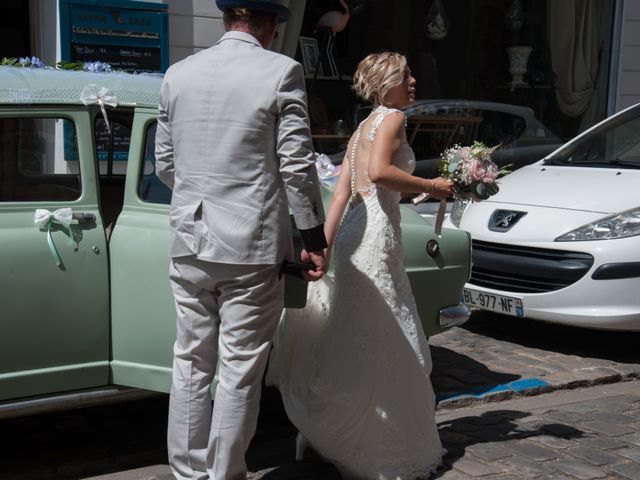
{"x":85,"y":305}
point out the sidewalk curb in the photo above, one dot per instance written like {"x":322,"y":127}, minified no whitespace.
{"x":464,"y":399}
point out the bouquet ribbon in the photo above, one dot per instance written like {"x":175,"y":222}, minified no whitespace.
{"x":442,"y":208}
{"x":92,"y":94}
{"x":45,"y":219}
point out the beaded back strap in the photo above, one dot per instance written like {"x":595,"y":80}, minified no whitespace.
{"x":356,"y":140}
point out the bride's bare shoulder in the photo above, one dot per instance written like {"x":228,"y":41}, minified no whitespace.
{"x":393,"y":124}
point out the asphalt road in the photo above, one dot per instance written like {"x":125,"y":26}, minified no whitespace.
{"x":99,"y":440}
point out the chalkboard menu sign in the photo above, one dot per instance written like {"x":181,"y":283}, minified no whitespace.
{"x":129,"y":35}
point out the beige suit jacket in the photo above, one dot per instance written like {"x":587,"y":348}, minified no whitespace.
{"x":233,"y":143}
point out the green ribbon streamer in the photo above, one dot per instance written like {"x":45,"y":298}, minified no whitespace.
{"x":52,"y":245}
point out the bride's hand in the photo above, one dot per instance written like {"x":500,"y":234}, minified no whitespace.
{"x":442,"y":187}
{"x":327,"y":254}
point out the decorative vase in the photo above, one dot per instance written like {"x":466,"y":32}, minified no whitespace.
{"x":436,"y":23}
{"x":518,"y":59}
{"x":514,"y":18}
{"x":357,"y":6}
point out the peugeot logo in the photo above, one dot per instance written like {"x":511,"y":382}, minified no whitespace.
{"x":503,"y":220}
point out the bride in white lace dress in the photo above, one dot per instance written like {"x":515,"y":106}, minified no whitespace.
{"x":353,"y":366}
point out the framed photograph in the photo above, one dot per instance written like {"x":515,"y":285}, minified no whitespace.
{"x":310,"y":55}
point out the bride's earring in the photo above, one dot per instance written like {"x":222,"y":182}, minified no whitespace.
{"x":301,"y":446}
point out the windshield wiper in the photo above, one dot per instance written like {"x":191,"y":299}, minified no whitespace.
{"x":616,"y":162}
{"x":627,"y":163}
{"x":557,"y":161}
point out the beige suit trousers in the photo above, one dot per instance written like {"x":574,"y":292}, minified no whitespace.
{"x":225,"y":312}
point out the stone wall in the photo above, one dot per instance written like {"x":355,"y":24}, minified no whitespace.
{"x":628,"y":92}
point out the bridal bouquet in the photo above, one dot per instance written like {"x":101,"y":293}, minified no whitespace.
{"x":471,"y":170}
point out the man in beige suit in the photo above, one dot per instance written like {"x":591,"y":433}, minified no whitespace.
{"x":233,"y":143}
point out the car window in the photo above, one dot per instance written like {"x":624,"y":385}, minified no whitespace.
{"x":151,"y":189}
{"x":112,"y":152}
{"x":613,"y":144}
{"x":38,"y":160}
{"x":626,"y":142}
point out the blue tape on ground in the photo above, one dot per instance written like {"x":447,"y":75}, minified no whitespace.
{"x":479,"y":392}
{"x":521,"y":385}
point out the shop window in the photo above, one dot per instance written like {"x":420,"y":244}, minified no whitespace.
{"x":500,"y":128}
{"x":14,"y":29}
{"x":35,"y":154}
{"x":549,"y":57}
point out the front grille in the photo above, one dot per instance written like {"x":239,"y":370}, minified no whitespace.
{"x":525,"y":269}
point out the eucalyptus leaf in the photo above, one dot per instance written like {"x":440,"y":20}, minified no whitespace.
{"x":481,"y":191}
{"x":63,"y":65}
{"x":9,"y":62}
{"x":492,"y":188}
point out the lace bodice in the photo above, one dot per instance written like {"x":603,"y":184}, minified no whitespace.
{"x":361,"y":184}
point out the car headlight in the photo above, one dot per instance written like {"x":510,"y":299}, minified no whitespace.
{"x":621,"y":225}
{"x":457,"y":210}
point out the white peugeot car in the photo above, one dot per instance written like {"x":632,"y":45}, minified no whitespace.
{"x":560,"y":242}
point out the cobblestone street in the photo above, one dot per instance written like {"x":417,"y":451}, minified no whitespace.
{"x":497,"y":357}
{"x":585,"y":433}
{"x":517,"y":401}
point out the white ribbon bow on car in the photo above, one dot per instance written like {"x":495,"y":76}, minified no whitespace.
{"x":44,"y":219}
{"x":92,"y":94}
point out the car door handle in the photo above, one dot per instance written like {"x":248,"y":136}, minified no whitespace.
{"x":83,"y":217}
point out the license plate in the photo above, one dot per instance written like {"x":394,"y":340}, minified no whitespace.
{"x":495,"y":303}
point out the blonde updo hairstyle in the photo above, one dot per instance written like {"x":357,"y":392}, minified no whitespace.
{"x":377,"y":73}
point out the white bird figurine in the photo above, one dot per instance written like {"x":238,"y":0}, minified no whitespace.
{"x":334,"y":19}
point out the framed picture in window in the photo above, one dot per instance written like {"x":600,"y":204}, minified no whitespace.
{"x":310,"y":55}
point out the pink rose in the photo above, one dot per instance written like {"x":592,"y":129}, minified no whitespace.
{"x":481,"y":171}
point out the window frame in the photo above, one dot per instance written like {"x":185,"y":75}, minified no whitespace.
{"x":148,"y":127}
{"x":80,"y":118}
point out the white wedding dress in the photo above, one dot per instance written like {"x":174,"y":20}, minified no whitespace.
{"x":353,"y":366}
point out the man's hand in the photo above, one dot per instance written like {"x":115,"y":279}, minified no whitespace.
{"x":317,"y":258}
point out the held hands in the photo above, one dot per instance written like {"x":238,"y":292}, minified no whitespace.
{"x":318,"y":259}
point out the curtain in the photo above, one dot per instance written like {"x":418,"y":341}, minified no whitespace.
{"x":575,"y":41}
{"x":287,"y":42}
